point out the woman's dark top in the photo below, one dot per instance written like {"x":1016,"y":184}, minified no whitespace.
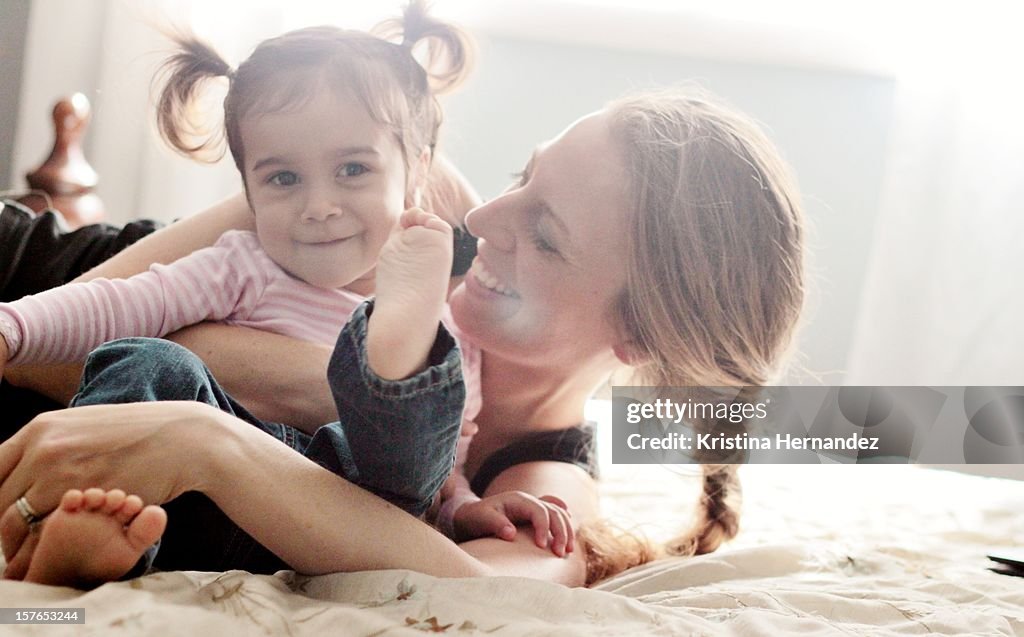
{"x":574,"y":445}
{"x":37,"y":252}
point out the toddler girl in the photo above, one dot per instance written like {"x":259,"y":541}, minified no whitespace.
{"x":332,"y":132}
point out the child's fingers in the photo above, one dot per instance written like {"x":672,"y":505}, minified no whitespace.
{"x":554,"y":499}
{"x":490,"y":521}
{"x":570,"y":533}
{"x":561,"y":530}
{"x":541,"y":522}
{"x":563,"y":512}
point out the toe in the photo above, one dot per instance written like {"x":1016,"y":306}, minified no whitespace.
{"x":72,"y":501}
{"x":147,"y":527}
{"x":115,"y":500}
{"x":131,"y":507}
{"x":94,"y":498}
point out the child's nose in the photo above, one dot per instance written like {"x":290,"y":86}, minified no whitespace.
{"x":322,"y":206}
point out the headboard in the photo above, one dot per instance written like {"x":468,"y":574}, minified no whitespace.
{"x":66,"y":181}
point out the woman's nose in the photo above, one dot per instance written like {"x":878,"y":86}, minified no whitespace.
{"x":490,"y":222}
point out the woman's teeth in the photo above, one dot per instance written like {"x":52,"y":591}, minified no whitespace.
{"x":490,"y":281}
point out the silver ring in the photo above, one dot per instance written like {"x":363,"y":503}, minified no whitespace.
{"x":26,"y":511}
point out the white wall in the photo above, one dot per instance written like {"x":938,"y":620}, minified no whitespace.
{"x":825,"y":91}
{"x":13,"y":32}
{"x":831,"y":125}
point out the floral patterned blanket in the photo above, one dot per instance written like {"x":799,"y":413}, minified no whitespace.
{"x":845,"y":550}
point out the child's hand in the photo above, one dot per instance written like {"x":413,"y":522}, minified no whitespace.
{"x":497,"y":516}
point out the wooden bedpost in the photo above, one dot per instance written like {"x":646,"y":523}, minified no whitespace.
{"x":66,"y":177}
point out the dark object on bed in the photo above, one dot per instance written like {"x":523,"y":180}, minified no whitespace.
{"x":1009,"y":562}
{"x":65,"y":181}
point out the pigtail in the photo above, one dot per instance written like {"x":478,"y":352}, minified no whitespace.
{"x":449,"y":51}
{"x":718,"y":518}
{"x":182,"y":75}
{"x":610,"y":550}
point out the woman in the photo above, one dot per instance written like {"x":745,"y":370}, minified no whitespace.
{"x":706,"y":290}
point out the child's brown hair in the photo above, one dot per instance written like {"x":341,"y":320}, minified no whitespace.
{"x":379,"y":68}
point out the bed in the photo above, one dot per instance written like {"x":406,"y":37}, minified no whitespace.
{"x":846,"y":550}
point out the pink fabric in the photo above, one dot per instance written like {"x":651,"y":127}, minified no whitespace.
{"x":462,"y":493}
{"x":234,"y":281}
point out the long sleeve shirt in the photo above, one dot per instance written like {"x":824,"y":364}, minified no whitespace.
{"x":234,"y":281}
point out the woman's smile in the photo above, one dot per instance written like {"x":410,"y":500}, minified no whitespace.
{"x":482,"y":276}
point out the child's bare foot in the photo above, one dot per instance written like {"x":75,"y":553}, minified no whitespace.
{"x":411,"y":289}
{"x":93,"y":537}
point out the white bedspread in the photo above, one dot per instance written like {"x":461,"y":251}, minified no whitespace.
{"x":847,"y":550}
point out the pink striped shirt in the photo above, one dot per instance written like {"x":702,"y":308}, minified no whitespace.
{"x":234,"y":281}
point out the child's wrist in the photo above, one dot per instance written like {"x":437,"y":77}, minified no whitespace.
{"x":449,"y":508}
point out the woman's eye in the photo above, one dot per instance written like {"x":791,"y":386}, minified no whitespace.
{"x":541,"y":242}
{"x":352,"y":169}
{"x":283,"y":178}
{"x":520,"y":177}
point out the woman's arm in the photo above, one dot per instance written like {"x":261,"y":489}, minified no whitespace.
{"x":181,"y":238}
{"x":277,"y":378}
{"x":333,"y":525}
{"x":311,"y":518}
{"x":522,"y":557}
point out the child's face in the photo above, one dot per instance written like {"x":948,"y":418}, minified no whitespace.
{"x":327,"y":184}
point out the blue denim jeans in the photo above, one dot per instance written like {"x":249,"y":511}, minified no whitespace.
{"x":394,"y":438}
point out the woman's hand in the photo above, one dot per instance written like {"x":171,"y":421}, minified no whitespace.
{"x":146,"y":448}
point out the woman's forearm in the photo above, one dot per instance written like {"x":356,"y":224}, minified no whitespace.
{"x":176,"y":240}
{"x":312,"y":519}
{"x":56,"y":382}
{"x":522,"y":558}
{"x":277,"y":378}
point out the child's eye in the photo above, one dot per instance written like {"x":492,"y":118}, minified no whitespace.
{"x":283,"y":178}
{"x":352,"y":169}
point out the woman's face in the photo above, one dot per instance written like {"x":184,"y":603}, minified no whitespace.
{"x":551,"y":259}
